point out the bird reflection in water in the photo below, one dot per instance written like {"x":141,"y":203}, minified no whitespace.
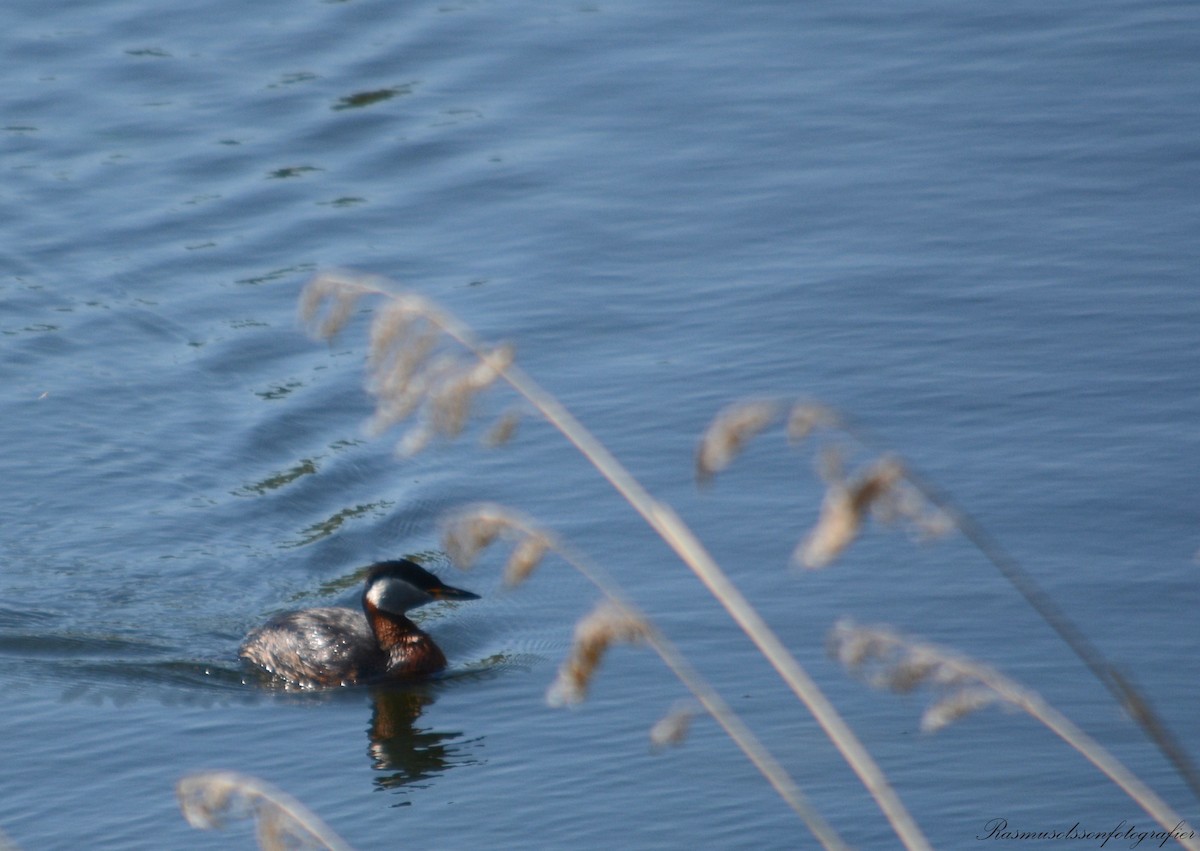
{"x":405,"y":754}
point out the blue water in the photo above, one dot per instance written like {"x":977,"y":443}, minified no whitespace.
{"x":972,"y":228}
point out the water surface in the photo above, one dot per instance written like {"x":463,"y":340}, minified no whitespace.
{"x":971,"y":228}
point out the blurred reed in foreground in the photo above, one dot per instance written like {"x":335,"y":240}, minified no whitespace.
{"x":891,"y":490}
{"x":423,"y":363}
{"x":281,"y":822}
{"x":963,"y":686}
{"x":470,"y":530}
{"x":427,"y":369}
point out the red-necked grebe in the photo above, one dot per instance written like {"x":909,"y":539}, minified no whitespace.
{"x":316,"y":648}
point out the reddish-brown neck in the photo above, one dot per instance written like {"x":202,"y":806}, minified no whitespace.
{"x":409,"y":649}
{"x":390,"y":630}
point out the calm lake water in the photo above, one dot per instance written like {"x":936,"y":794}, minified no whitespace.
{"x":971,"y":227}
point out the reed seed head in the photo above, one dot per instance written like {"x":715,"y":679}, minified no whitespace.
{"x":503,"y":430}
{"x":958,"y":704}
{"x":876,"y":483}
{"x":905,"y":502}
{"x":608,"y":624}
{"x":401,"y":370}
{"x":807,"y":417}
{"x":846,"y":507}
{"x":393,"y":324}
{"x":328,"y":301}
{"x":852,"y":647}
{"x":401,"y":394}
{"x":729,"y":432}
{"x":406,"y":374}
{"x":889,"y":661}
{"x":208,"y":800}
{"x":450,"y":399}
{"x":910,"y":672}
{"x":672,"y":728}
{"x":525,"y":558}
{"x":470,"y":531}
{"x":837,"y":527}
{"x":450,"y":404}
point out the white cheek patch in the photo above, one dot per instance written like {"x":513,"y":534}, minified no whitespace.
{"x":378,"y":592}
{"x":394,"y":595}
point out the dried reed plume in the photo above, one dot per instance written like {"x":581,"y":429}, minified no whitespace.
{"x":672,"y":728}
{"x":933,"y":512}
{"x":890,"y":661}
{"x":469,"y":531}
{"x":843,"y":511}
{"x":608,"y":624}
{"x":724,"y":439}
{"x":881,"y":490}
{"x":807,"y":417}
{"x":503,"y":429}
{"x":408,"y":374}
{"x":737,"y":424}
{"x":404,"y":381}
{"x":328,"y":302}
{"x":208,"y":800}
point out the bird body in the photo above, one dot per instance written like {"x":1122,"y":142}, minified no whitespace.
{"x":335,"y":646}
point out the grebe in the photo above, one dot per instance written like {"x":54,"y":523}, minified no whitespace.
{"x":338,"y":646}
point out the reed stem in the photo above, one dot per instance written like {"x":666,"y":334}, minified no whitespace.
{"x":663,"y":520}
{"x":709,"y":698}
{"x":925,"y":663}
{"x":1128,"y":696}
